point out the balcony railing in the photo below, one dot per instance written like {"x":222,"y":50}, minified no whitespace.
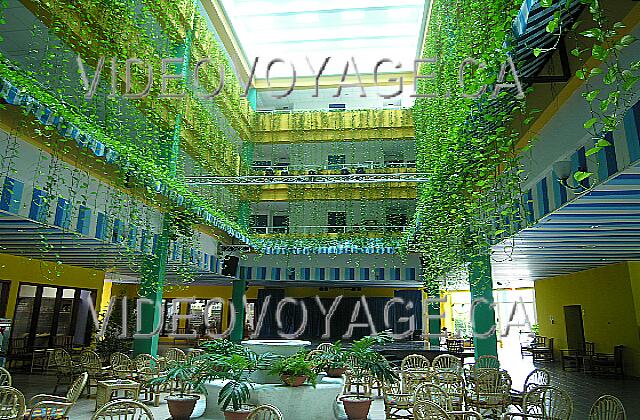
{"x":352,"y":167}
{"x":274,"y":230}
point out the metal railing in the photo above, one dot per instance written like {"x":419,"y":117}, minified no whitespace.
{"x":269,"y":230}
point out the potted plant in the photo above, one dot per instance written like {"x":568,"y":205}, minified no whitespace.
{"x":333,"y":360}
{"x":364,"y":360}
{"x":236,"y":369}
{"x":295,"y":370}
{"x":188,"y":377}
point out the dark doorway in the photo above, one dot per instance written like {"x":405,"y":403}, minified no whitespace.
{"x":574,"y":327}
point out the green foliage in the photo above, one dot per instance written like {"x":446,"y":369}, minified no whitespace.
{"x":189,"y":375}
{"x":364,"y":357}
{"x":295,"y":365}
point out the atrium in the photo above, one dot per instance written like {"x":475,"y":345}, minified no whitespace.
{"x":319,"y":210}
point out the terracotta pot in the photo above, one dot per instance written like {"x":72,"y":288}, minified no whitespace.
{"x":336,"y":372}
{"x":181,"y":407}
{"x":237,"y":415}
{"x":294,"y":380}
{"x":356,"y":407}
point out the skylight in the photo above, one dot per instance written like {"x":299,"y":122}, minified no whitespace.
{"x":365,"y":30}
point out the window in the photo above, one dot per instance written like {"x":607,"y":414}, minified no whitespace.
{"x":63,"y":214}
{"x":364,"y":274}
{"x":335,"y":161}
{"x":410,"y":273}
{"x":275,"y":273}
{"x":379,"y":273}
{"x":319,"y":273}
{"x":11,"y":195}
{"x":291,"y":273}
{"x":261,"y":164}
{"x":84,"y":220}
{"x":334,"y":274}
{"x":39,"y":206}
{"x":246,"y":272}
{"x":261,"y":273}
{"x":4,"y":297}
{"x":280,"y":224}
{"x":101,"y":227}
{"x":259,"y":223}
{"x":336,"y":221}
{"x":306,"y":274}
{"x":394,"y":273}
{"x":396,"y":221}
{"x":349,"y":273}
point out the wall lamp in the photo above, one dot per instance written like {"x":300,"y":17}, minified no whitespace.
{"x":562,"y":170}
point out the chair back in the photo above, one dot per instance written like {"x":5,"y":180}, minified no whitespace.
{"x":90,"y":361}
{"x":536,"y":377}
{"x":450,"y":382}
{"x":119,"y":359}
{"x":589,"y":348}
{"x":145,"y":360}
{"x":548,"y":401}
{"x":455,"y":345}
{"x":265,"y":412}
{"x":63,"y":341}
{"x":5,"y":377}
{"x":63,"y":362}
{"x":123,"y":410}
{"x":175,"y":355}
{"x":195,"y":353}
{"x":492,"y":385}
{"x":433,"y":393}
{"x":447,"y":362}
{"x":487,"y":361}
{"x":76,"y":388}
{"x":414,"y":361}
{"x":324,"y":346}
{"x":12,"y":405}
{"x":427,"y":410}
{"x":540,"y":341}
{"x":607,"y":407}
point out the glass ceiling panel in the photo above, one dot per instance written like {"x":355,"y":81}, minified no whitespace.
{"x":367,"y":30}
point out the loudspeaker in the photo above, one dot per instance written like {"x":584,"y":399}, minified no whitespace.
{"x":230,"y":265}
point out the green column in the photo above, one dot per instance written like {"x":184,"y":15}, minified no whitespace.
{"x":237,"y":297}
{"x":483,"y":316}
{"x":252,"y":97}
{"x":153,"y":272}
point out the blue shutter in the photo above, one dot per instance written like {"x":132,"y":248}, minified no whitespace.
{"x":543,"y":197}
{"x":84,"y":220}
{"x":364,"y":274}
{"x":101,"y":226}
{"x":531,"y":217}
{"x":306,"y":274}
{"x":379,"y":273}
{"x":349,"y":273}
{"x":335,"y":274}
{"x":117,"y":235}
{"x":249,"y":273}
{"x":410,"y":273}
{"x":608,"y":164}
{"x":394,"y":273}
{"x":39,"y":206}
{"x":132,"y":238}
{"x":275,"y":273}
{"x":632,"y":131}
{"x":319,"y":273}
{"x":11,"y":195}
{"x":62,"y":217}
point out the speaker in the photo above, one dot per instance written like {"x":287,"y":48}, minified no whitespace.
{"x":230,"y":265}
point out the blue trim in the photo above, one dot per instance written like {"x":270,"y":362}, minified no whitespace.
{"x":632,"y":131}
{"x":84,"y":220}
{"x":11,"y":195}
{"x":364,"y":274}
{"x":543,"y":197}
{"x":607,"y":159}
{"x":101,"y":226}
{"x":349,"y":273}
{"x":39,"y":206}
{"x":62,"y":217}
{"x":319,"y":273}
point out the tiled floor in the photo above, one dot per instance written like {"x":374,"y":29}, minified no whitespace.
{"x":584,"y":389}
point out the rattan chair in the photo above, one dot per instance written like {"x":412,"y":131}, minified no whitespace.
{"x":146,"y":360}
{"x":453,"y":384}
{"x":414,"y":361}
{"x":195,"y":353}
{"x":122,"y":367}
{"x":433,"y":393}
{"x":447,"y":362}
{"x":92,"y":364}
{"x":44,"y":406}
{"x":487,"y":361}
{"x":398,"y":403}
{"x":548,"y":402}
{"x":427,"y":410}
{"x":175,"y":355}
{"x":536,"y":377}
{"x":414,"y":370}
{"x":12,"y":406}
{"x":607,"y":407}
{"x":151,"y":391}
{"x":490,"y":392}
{"x":265,"y":412}
{"x":66,"y":369}
{"x":5,"y":377}
{"x":123,"y":410}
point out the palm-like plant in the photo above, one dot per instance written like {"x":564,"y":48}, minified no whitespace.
{"x":363,"y":357}
{"x":188,"y":376}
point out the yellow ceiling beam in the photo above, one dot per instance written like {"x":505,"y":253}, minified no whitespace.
{"x":389,"y":191}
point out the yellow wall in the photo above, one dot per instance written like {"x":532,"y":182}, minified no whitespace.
{"x":19,"y":269}
{"x":609,"y":297}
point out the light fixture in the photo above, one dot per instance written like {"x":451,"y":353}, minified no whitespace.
{"x":562,"y":169}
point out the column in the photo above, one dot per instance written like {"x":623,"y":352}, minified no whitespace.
{"x":154,"y":267}
{"x":483,"y":317}
{"x":237,"y":297}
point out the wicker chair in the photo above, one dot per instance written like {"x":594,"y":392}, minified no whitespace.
{"x":487,"y":361}
{"x":357,"y":382}
{"x":453,"y":384}
{"x":607,"y":407}
{"x":44,"y":406}
{"x":195,"y":353}
{"x":151,"y":391}
{"x":427,"y":410}
{"x":18,"y":352}
{"x":92,"y":364}
{"x":66,"y":369}
{"x":414,"y":370}
{"x":175,"y":354}
{"x":490,"y":392}
{"x":447,"y":362}
{"x":398,"y":403}
{"x":146,"y":360}
{"x":265,"y":412}
{"x":5,"y":377}
{"x":548,"y":402}
{"x":123,"y":410}
{"x":12,"y":405}
{"x":536,"y":377}
{"x":122,"y":367}
{"x":414,"y":361}
{"x":433,"y":393}
{"x":324,"y":346}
